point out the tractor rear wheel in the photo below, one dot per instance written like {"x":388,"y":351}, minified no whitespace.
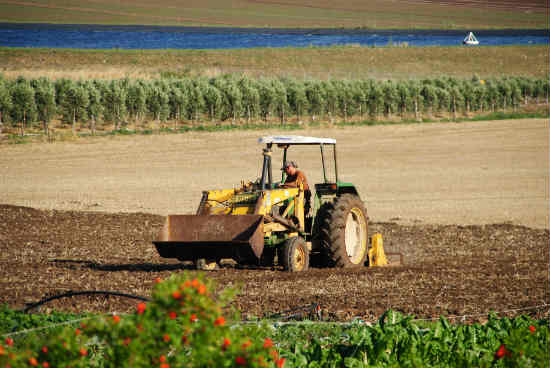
{"x":295,"y":255}
{"x":343,"y":232}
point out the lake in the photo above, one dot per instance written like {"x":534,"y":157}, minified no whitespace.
{"x":152,"y":37}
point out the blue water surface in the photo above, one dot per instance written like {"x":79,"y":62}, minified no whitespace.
{"x":151,"y":37}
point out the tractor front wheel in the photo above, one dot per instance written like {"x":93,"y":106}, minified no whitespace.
{"x":295,"y":255}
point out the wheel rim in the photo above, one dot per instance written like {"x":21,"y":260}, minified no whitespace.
{"x":299,"y":258}
{"x":356,"y":235}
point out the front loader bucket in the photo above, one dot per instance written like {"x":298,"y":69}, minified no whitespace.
{"x":191,"y":237}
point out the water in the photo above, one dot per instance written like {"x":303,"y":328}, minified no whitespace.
{"x":151,"y":37}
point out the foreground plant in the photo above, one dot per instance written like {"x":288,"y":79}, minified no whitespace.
{"x":182,"y":326}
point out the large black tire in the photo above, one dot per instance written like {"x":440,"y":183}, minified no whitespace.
{"x":343,"y":232}
{"x":295,"y":255}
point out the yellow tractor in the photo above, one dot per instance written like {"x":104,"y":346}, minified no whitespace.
{"x":260,"y":222}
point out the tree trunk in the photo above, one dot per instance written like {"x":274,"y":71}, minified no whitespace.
{"x":23,"y":123}
{"x":93,"y":125}
{"x":454,"y":108}
{"x":248,"y":114}
{"x":46,"y":130}
{"x":416,"y":109}
{"x":74,"y":122}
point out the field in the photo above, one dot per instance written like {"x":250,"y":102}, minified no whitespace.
{"x":466,"y":204}
{"x":318,"y":62}
{"x":374,"y":14}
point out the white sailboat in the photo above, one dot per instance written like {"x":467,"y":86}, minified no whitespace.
{"x":470,"y":39}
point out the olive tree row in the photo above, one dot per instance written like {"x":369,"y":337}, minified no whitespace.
{"x":236,"y":98}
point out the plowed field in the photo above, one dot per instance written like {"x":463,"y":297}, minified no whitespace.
{"x":466,"y":205}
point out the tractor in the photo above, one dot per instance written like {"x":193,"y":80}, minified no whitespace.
{"x":262,"y":223}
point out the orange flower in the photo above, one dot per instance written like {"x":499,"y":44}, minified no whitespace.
{"x":220,"y":321}
{"x":268,"y":343}
{"x":247,"y":344}
{"x":45,"y":365}
{"x":166,"y":338}
{"x":532,"y":329}
{"x":173,"y":315}
{"x":176,"y":295}
{"x":158,"y":280}
{"x":274,"y":354}
{"x":187,"y":284}
{"x":33,"y":362}
{"x":83,"y":352}
{"x":280,"y":362}
{"x":162,"y":359}
{"x":165,"y":365}
{"x":240,"y":360}
{"x":116,"y":319}
{"x":195,"y":283}
{"x":226,"y":343}
{"x":141,"y":308}
{"x":77,"y":332}
{"x":2,"y":351}
{"x":127,"y":341}
{"x":201,"y":289}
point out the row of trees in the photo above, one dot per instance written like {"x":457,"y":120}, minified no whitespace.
{"x":239,"y":98}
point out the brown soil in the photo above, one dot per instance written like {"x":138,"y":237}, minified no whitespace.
{"x":434,"y":191}
{"x":451,"y":270}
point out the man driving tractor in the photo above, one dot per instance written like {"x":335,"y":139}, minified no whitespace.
{"x":294,"y":178}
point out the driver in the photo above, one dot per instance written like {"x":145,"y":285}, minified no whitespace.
{"x":294,"y":178}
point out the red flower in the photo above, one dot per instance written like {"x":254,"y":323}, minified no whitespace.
{"x":280,"y":362}
{"x":226,"y":343}
{"x":45,"y":365}
{"x":116,"y":319}
{"x":186,"y":284}
{"x":165,"y":365}
{"x":77,"y":332}
{"x":176,"y":295}
{"x":9,"y":341}
{"x":240,"y":360}
{"x":193,"y":318}
{"x":274,"y":354}
{"x":166,"y":338}
{"x":83,"y":352}
{"x":201,"y":289}
{"x":162,"y":359}
{"x":184,"y":340}
{"x":247,"y":344}
{"x":127,"y":341}
{"x":82,"y":325}
{"x":172,"y":315}
{"x":220,"y":321}
{"x":158,"y":280}
{"x":532,"y":329}
{"x":141,"y":308}
{"x":501,"y":352}
{"x":268,"y":343}
{"x":33,"y":362}
{"x":45,"y":349}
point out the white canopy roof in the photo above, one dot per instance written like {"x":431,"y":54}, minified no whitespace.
{"x":295,"y":139}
